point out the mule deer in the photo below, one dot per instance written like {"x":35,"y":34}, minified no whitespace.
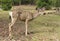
{"x":22,"y":16}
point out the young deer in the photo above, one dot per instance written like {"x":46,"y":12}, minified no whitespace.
{"x":22,"y":16}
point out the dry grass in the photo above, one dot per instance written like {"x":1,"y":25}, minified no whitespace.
{"x":43,"y":28}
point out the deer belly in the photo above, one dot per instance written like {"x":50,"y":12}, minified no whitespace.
{"x":22,"y":17}
{"x":25,"y":16}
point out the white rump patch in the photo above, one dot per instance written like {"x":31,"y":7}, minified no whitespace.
{"x":10,"y":13}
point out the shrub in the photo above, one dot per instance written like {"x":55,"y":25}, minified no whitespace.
{"x":6,"y":4}
{"x":43,"y":3}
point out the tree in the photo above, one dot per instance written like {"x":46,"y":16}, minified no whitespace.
{"x":57,"y":3}
{"x":43,"y":3}
{"x":16,"y":2}
{"x":6,"y":4}
{"x":53,"y":3}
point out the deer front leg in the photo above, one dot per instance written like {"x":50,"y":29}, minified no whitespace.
{"x":10,"y":26}
{"x":26,"y":26}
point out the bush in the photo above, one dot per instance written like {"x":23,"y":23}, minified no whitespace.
{"x":6,"y":4}
{"x":43,"y":3}
{"x":16,"y":2}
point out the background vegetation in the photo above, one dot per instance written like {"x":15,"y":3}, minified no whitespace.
{"x":43,"y":28}
{"x":7,"y":4}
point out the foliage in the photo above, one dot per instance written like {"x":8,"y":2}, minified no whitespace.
{"x":6,"y":4}
{"x":43,"y":3}
{"x":28,"y":2}
{"x":16,"y":2}
{"x":57,"y":3}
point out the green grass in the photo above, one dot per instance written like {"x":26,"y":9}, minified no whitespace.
{"x":4,"y":14}
{"x":44,"y":27}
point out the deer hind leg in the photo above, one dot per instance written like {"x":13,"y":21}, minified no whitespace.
{"x":10,"y":26}
{"x":26,"y":26}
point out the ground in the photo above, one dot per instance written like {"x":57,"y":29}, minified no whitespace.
{"x":42,"y":28}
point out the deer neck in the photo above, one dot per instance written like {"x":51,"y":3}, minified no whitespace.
{"x":36,"y":15}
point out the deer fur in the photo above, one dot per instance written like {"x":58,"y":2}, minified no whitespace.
{"x":22,"y":16}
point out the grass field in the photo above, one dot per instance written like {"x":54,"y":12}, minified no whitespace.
{"x":42,"y":28}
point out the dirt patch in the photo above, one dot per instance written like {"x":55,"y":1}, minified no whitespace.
{"x":18,"y":28}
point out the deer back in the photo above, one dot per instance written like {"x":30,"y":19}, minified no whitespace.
{"x":26,"y":15}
